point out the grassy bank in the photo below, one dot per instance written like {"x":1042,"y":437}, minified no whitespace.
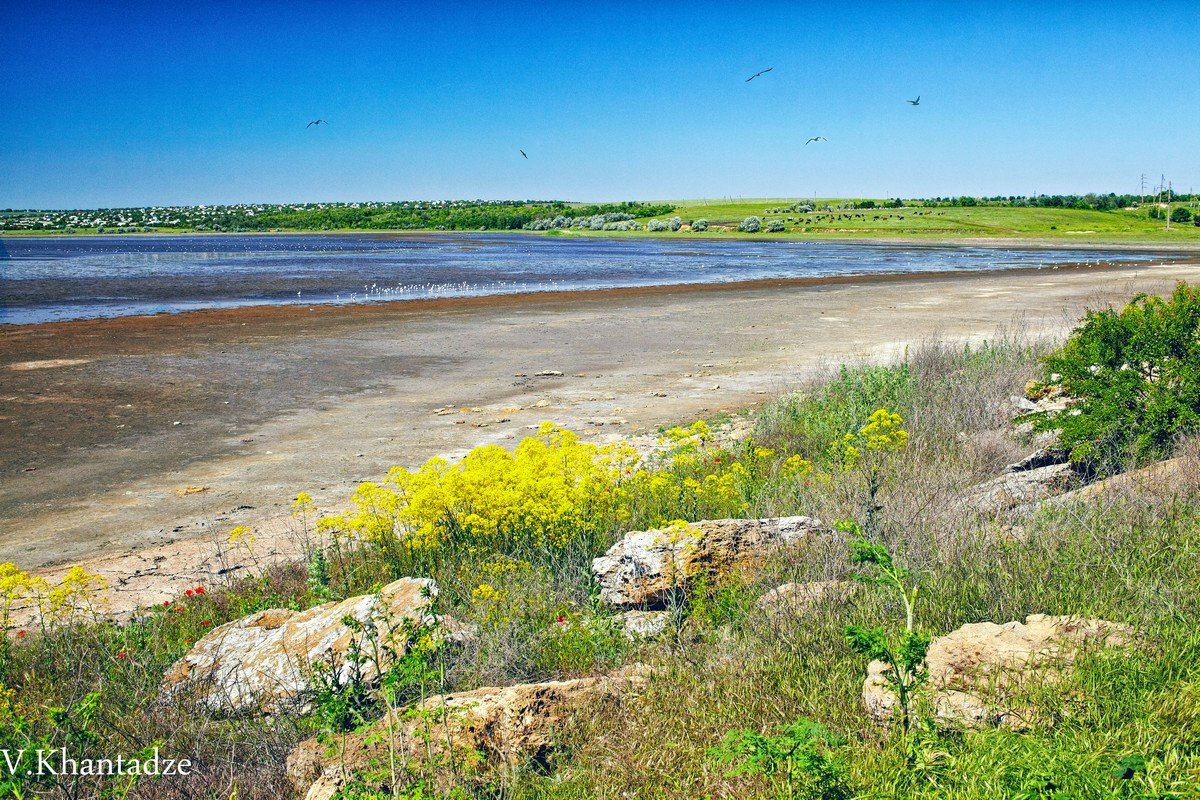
{"x":510,"y":536}
{"x":1059,"y":225}
{"x":915,"y":222}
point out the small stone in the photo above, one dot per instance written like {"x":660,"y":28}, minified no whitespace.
{"x":645,"y":624}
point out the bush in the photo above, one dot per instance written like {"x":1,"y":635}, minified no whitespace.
{"x":700,"y":225}
{"x":1181,"y":214}
{"x":675,"y":223}
{"x":750,"y":225}
{"x":1136,"y":374}
{"x":656,"y":225}
{"x":775,"y":226}
{"x":553,"y":493}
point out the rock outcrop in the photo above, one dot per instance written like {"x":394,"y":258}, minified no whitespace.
{"x":264,"y":662}
{"x":797,"y":598}
{"x":646,"y":566}
{"x":1020,"y":488}
{"x":1042,"y":457}
{"x":1173,"y":474}
{"x":491,"y":727}
{"x":976,"y":672}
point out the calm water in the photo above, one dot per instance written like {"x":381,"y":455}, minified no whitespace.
{"x":43,"y":279}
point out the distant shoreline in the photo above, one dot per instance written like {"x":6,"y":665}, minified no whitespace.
{"x":1064,"y":241}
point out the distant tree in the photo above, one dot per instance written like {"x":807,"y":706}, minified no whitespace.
{"x":700,"y":225}
{"x":656,"y":225}
{"x":750,"y":225}
{"x":1181,"y":214}
{"x":775,"y":226}
{"x":675,"y":223}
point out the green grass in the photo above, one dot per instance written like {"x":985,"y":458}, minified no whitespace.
{"x":987,"y":222}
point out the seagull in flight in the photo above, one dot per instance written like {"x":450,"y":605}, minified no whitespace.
{"x":760,"y":72}
{"x":316,"y":122}
{"x":815,"y":139}
{"x":916,"y":102}
{"x":522,"y":152}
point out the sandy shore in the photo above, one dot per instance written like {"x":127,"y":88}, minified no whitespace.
{"x":105,"y":424}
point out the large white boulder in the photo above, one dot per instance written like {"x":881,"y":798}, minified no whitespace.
{"x":265,"y":662}
{"x":975,"y":674}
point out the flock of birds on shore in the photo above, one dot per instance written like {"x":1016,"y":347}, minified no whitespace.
{"x":916,"y":102}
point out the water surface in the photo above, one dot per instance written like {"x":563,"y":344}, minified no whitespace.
{"x":56,"y":278}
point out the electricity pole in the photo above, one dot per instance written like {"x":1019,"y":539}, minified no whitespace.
{"x":1168,"y":205}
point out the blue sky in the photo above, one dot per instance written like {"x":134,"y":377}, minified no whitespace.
{"x":133,"y":104}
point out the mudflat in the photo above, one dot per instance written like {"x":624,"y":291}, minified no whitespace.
{"x":120,"y":435}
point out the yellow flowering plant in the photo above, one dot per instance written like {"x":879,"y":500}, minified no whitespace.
{"x":870,"y":451}
{"x":551,"y":494}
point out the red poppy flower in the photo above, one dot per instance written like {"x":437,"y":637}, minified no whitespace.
{"x":166,"y":603}
{"x":122,"y":654}
{"x":22,"y":634}
{"x":199,"y":590}
{"x":561,"y":619}
{"x":188,"y":593}
{"x":206,"y":623}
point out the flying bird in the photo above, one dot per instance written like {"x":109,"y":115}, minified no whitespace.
{"x":522,"y":152}
{"x":761,"y":72}
{"x":916,"y":102}
{"x":316,"y":122}
{"x":815,"y":139}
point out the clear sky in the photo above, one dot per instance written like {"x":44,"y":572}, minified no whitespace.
{"x":106,"y":104}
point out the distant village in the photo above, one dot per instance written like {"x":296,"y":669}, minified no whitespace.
{"x":218,"y":218}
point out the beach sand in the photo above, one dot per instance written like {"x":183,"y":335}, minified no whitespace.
{"x":133,"y":445}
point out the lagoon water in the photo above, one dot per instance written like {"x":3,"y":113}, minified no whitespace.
{"x":58,"y":278}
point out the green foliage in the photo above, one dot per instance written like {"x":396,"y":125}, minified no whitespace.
{"x":800,"y":761}
{"x":1136,"y":374}
{"x":903,"y":653}
{"x":750,"y":224}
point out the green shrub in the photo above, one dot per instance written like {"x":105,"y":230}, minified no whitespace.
{"x":798,"y":761}
{"x":1136,"y":374}
{"x":750,"y":225}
